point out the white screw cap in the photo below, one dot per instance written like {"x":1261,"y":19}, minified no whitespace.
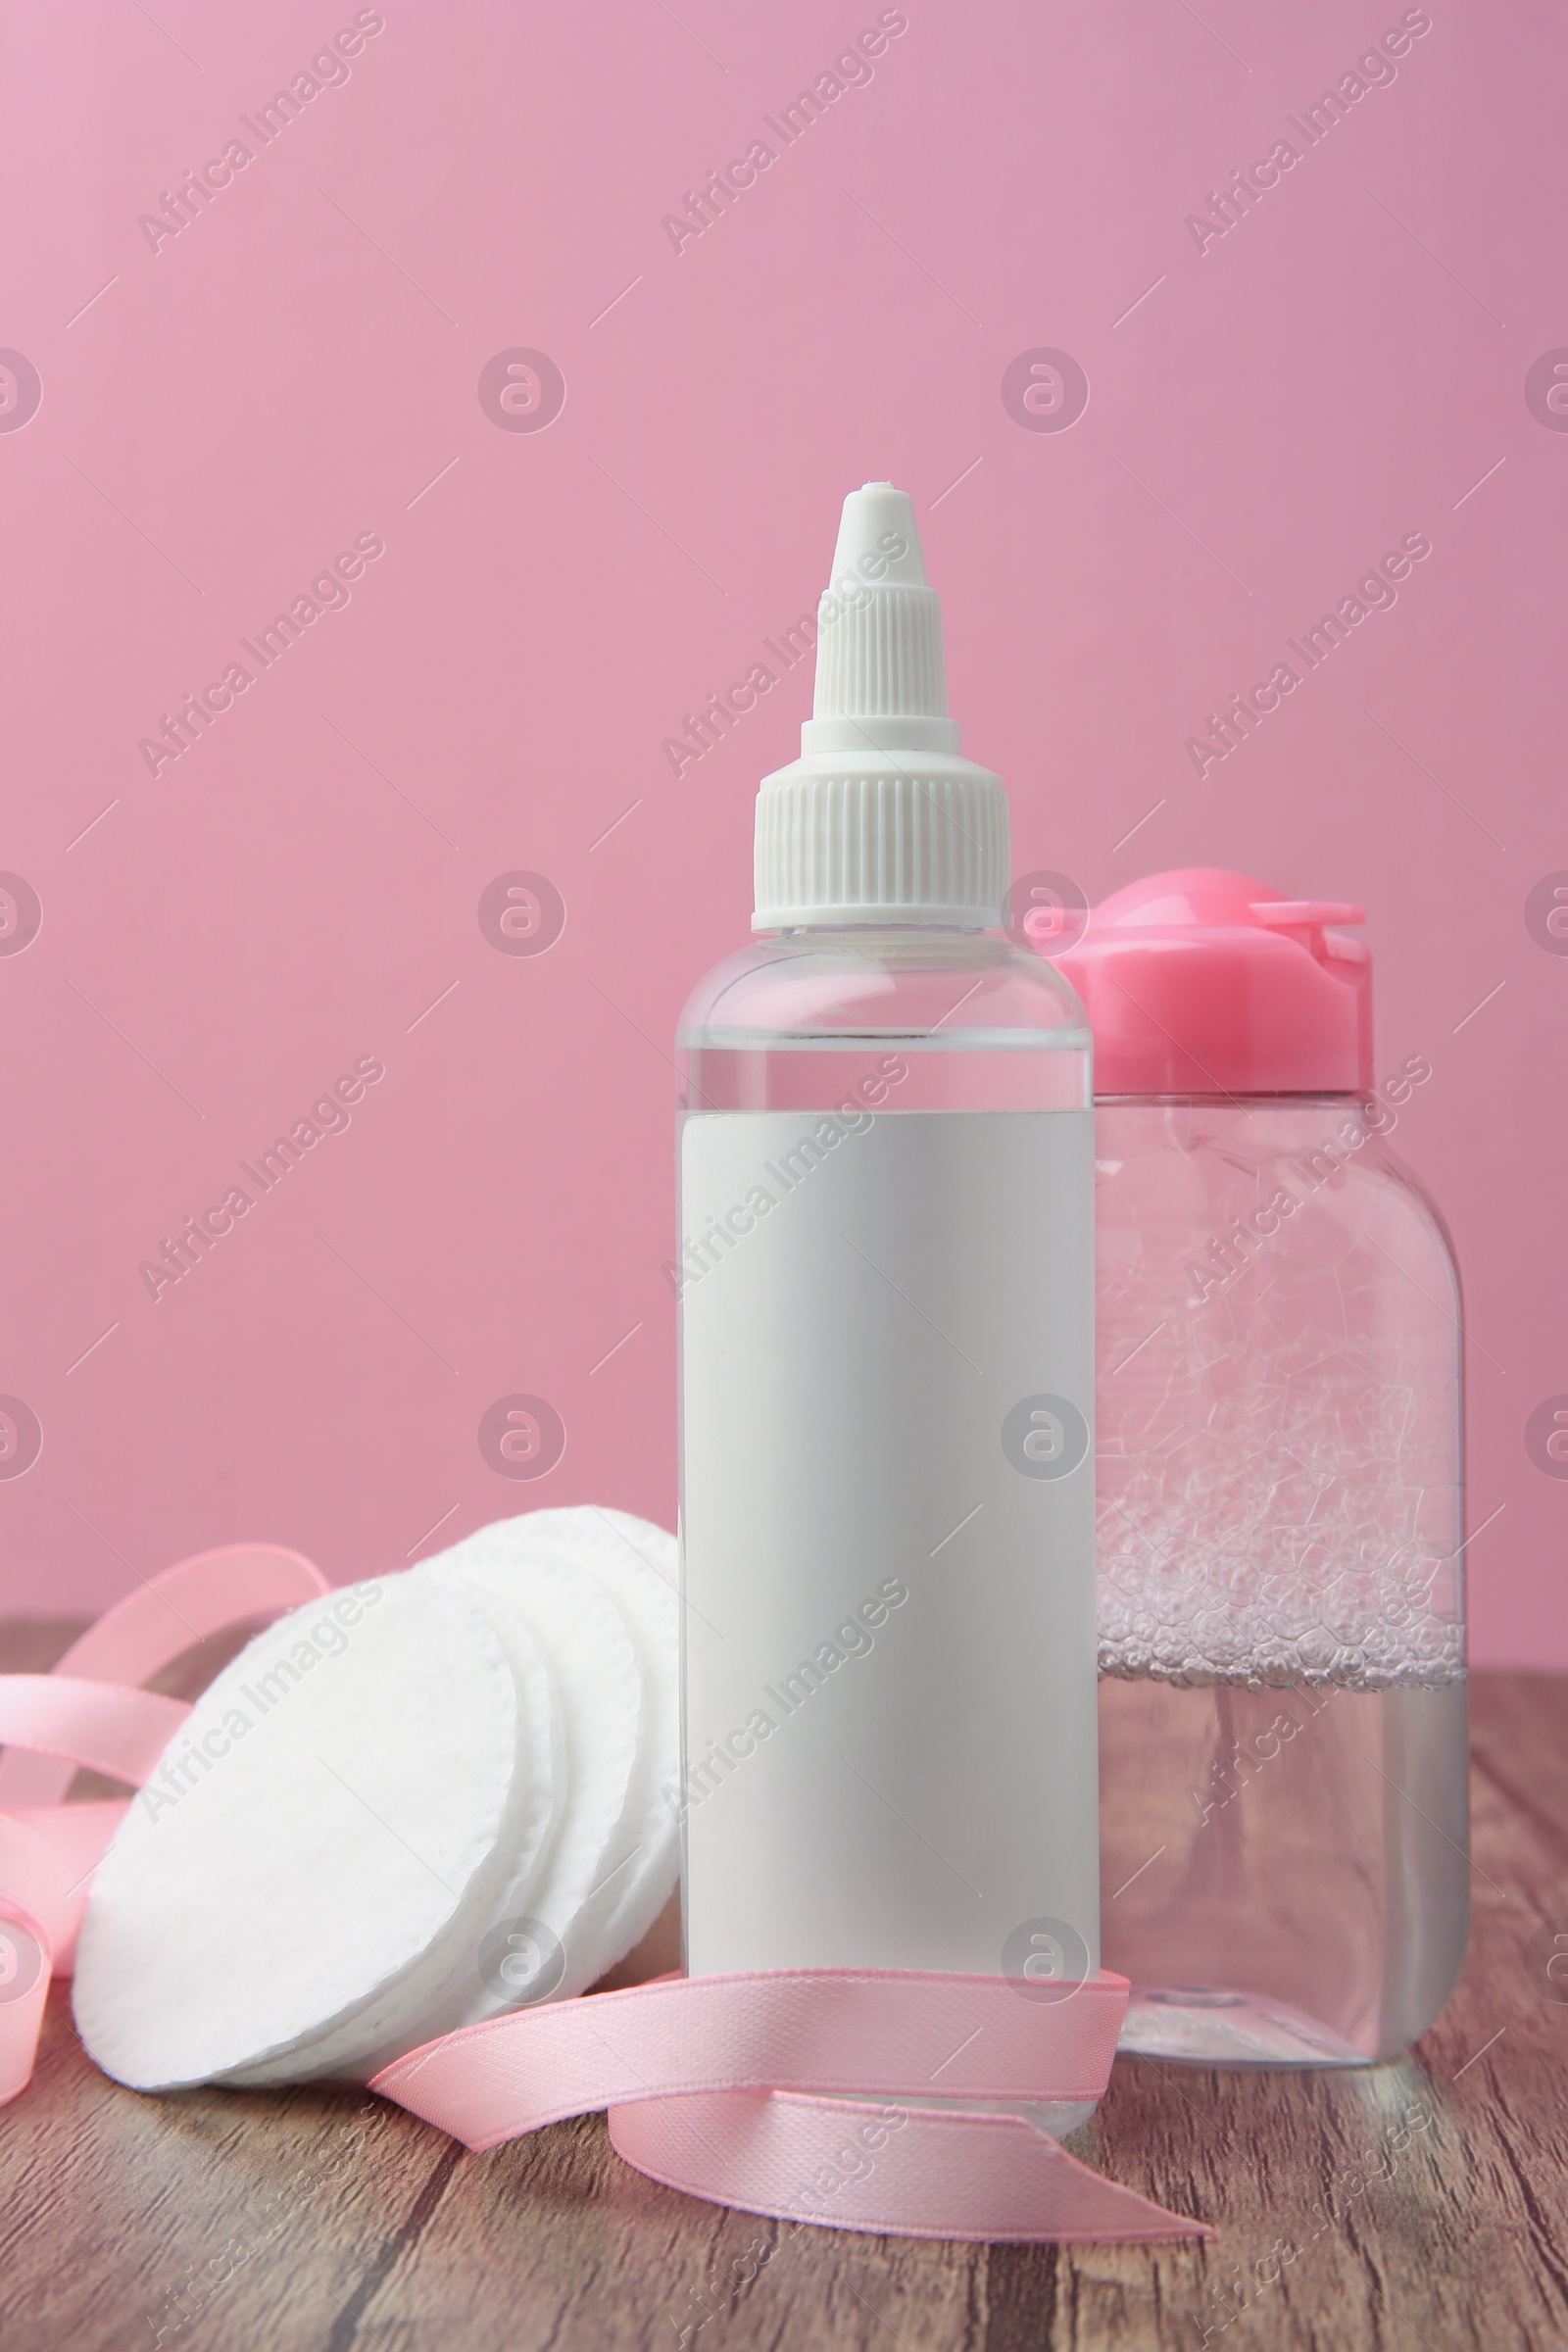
{"x":880,"y":820}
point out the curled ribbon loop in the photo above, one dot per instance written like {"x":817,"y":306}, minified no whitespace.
{"x":90,"y":1712}
{"x":888,"y":2100}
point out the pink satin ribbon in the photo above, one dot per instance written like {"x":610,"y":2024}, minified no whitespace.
{"x":89,"y":1711}
{"x":797,"y":2093}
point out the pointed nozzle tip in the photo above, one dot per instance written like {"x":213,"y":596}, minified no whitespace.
{"x":879,"y":539}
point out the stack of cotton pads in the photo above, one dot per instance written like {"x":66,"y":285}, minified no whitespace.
{"x":403,"y":1808}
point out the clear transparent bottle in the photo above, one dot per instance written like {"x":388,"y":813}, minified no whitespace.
{"x":1281,"y":1697}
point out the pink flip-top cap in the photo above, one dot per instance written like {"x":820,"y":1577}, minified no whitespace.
{"x":1204,"y":982}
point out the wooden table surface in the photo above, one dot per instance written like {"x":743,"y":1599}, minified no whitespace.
{"x":1419,"y":2203}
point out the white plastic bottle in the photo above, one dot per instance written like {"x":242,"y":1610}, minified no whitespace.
{"x":887,"y":1367}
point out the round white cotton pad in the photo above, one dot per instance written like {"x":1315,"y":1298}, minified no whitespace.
{"x":435,"y":1995}
{"x":592,"y":1535}
{"x":594,"y":1667}
{"x":448,"y":1984}
{"x":638,"y":1564}
{"x":325,"y":1817}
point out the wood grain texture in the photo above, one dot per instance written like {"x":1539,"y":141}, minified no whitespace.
{"x":1418,"y":2203}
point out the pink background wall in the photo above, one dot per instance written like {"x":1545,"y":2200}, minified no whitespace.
{"x":299,"y":366}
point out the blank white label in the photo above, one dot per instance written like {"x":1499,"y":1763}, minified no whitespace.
{"x":888,"y":1389}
